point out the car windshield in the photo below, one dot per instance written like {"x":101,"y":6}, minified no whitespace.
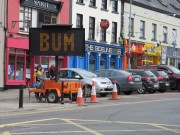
{"x":86,"y":73}
{"x":162,"y":73}
{"x":175,"y":70}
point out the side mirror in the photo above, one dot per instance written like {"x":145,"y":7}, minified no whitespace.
{"x":77,"y":77}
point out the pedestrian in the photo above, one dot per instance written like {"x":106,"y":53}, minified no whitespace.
{"x":38,"y":77}
{"x":52,"y":72}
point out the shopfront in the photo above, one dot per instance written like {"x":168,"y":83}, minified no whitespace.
{"x":98,"y":56}
{"x":22,"y":15}
{"x":136,"y":54}
{"x":152,"y":54}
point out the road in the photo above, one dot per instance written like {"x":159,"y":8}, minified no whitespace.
{"x":147,"y":114}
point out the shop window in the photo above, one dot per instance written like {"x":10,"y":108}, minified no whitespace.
{"x":142,"y":29}
{"x":91,"y":27}
{"x":16,"y":64}
{"x":45,"y":63}
{"x":79,"y":21}
{"x":112,"y":62}
{"x":172,"y":62}
{"x":114,"y":32}
{"x":114,"y":6}
{"x":28,"y":68}
{"x":91,"y":65}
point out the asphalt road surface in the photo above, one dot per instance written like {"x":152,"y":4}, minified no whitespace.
{"x":148,"y":114}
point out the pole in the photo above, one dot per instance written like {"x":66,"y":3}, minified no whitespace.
{"x":129,"y":35}
{"x":56,"y":69}
{"x":62,"y":93}
{"x":21,"y":96}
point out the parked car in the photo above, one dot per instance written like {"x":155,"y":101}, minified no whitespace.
{"x":149,"y":80}
{"x":162,"y":78}
{"x":103,"y":85}
{"x":173,"y":74}
{"x":125,"y":81}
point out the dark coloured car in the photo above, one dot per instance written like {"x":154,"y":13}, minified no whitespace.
{"x":149,"y":80}
{"x":173,"y":74}
{"x":125,"y":81}
{"x":162,"y":78}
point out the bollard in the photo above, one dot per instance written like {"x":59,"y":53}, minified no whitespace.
{"x":62,"y":93}
{"x":71,"y":93}
{"x":21,"y":96}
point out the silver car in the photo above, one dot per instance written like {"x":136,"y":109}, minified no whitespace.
{"x":103,"y":85}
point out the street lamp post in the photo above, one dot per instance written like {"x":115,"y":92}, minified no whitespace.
{"x":129,"y":36}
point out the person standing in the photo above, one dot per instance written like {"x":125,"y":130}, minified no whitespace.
{"x":38,"y":77}
{"x":52,"y":72}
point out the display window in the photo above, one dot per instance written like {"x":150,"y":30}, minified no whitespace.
{"x":92,"y":62}
{"x":16,"y":61}
{"x":112,"y":62}
{"x":103,"y":61}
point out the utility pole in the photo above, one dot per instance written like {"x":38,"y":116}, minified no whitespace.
{"x":129,"y":66}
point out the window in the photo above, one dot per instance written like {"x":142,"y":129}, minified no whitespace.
{"x":45,"y":17}
{"x":104,"y":4}
{"x":115,"y":6}
{"x":142,"y":29}
{"x":103,"y":35}
{"x":174,"y":36}
{"x":79,"y":21}
{"x":92,"y":3}
{"x":80,"y":1}
{"x":165,"y":34}
{"x":114,"y":33}
{"x":154,"y":31}
{"x":132,"y":27}
{"x":91,"y":27}
{"x":25,"y":19}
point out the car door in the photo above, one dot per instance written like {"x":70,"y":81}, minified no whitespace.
{"x":69,"y":75}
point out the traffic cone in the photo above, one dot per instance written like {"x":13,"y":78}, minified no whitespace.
{"x":114,"y":92}
{"x":93,"y":94}
{"x":79,"y":99}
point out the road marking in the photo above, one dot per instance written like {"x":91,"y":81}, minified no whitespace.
{"x":165,"y":128}
{"x":82,"y":127}
{"x":87,"y":107}
{"x":5,"y":133}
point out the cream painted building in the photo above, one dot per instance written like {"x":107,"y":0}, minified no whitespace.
{"x":2,"y":40}
{"x":160,"y":22}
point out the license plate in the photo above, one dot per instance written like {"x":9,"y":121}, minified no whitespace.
{"x":167,"y":84}
{"x":137,"y":79}
{"x":156,"y":86}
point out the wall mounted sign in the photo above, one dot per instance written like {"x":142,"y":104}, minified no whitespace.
{"x":49,"y":5}
{"x":104,"y":24}
{"x":58,"y":42}
{"x":103,"y":49}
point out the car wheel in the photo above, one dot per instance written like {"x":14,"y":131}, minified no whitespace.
{"x":103,"y":94}
{"x":88,"y":90}
{"x":151,"y":91}
{"x":128,"y":92}
{"x":52,"y":97}
{"x":142,"y":90}
{"x":178,"y":86}
{"x":118,"y":89}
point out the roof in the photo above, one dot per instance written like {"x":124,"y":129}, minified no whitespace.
{"x":168,"y":7}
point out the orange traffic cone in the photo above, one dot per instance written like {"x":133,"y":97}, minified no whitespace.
{"x":93,"y":94}
{"x":79,"y":99}
{"x":114,"y":92}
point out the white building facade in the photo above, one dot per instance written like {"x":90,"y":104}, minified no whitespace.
{"x":154,"y":23}
{"x":102,"y":48}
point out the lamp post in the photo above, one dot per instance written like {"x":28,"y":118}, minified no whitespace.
{"x":129,"y":36}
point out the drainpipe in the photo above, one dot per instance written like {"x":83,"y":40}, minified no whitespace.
{"x":5,"y":39}
{"x":122,"y":23}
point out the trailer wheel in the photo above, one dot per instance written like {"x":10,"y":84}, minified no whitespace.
{"x":52,"y":97}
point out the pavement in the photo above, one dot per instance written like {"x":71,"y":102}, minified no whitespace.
{"x":9,"y":101}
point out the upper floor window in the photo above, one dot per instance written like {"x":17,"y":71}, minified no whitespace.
{"x":103,"y":35}
{"x":79,"y":21}
{"x":114,"y":33}
{"x":142,"y":29}
{"x":154,"y":31}
{"x":132,"y":27}
{"x":165,"y":32}
{"x":80,"y":1}
{"x":92,"y":3}
{"x":115,"y":6}
{"x":174,"y":36}
{"x":35,"y":18}
{"x":91,"y":27}
{"x":104,"y":4}
{"x":25,"y":19}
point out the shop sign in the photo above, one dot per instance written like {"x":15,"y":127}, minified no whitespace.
{"x":104,"y":24}
{"x":151,"y":49}
{"x":52,"y":6}
{"x":59,"y":42}
{"x":103,"y":49}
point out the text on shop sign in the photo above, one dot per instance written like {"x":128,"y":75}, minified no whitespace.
{"x":57,"y":42}
{"x":103,"y":49}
